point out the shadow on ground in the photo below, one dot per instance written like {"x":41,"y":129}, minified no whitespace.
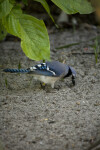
{"x":64,"y":119}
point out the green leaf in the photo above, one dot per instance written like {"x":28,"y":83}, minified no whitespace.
{"x":46,"y":7}
{"x":12,"y":25}
{"x":12,"y":1}
{"x":3,"y":31}
{"x":5,"y":8}
{"x":74,"y":6}
{"x":1,"y":1}
{"x":33,"y":34}
{"x":35,"y":41}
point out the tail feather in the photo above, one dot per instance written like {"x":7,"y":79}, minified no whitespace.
{"x":16,"y":70}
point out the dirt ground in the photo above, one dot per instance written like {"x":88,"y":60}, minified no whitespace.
{"x":64,"y":118}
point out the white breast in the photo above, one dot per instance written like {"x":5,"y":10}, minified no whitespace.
{"x":47,"y":79}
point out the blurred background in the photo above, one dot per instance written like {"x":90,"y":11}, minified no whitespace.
{"x":70,"y":22}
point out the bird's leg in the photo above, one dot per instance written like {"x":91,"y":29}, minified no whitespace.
{"x":52,"y":85}
{"x":43,"y":85}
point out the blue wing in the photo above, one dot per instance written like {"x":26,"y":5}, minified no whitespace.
{"x":53,"y":68}
{"x":58,"y":68}
{"x":41,"y":69}
{"x":42,"y":72}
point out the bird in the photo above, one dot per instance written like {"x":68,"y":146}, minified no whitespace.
{"x":49,"y":72}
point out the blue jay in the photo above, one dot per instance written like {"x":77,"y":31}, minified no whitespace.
{"x":48,"y":72}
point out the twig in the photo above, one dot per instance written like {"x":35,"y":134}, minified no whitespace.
{"x":77,"y":43}
{"x":83,"y":53}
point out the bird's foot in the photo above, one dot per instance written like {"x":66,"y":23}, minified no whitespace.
{"x":43,"y":85}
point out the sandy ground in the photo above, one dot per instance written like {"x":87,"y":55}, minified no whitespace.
{"x":64,"y":118}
